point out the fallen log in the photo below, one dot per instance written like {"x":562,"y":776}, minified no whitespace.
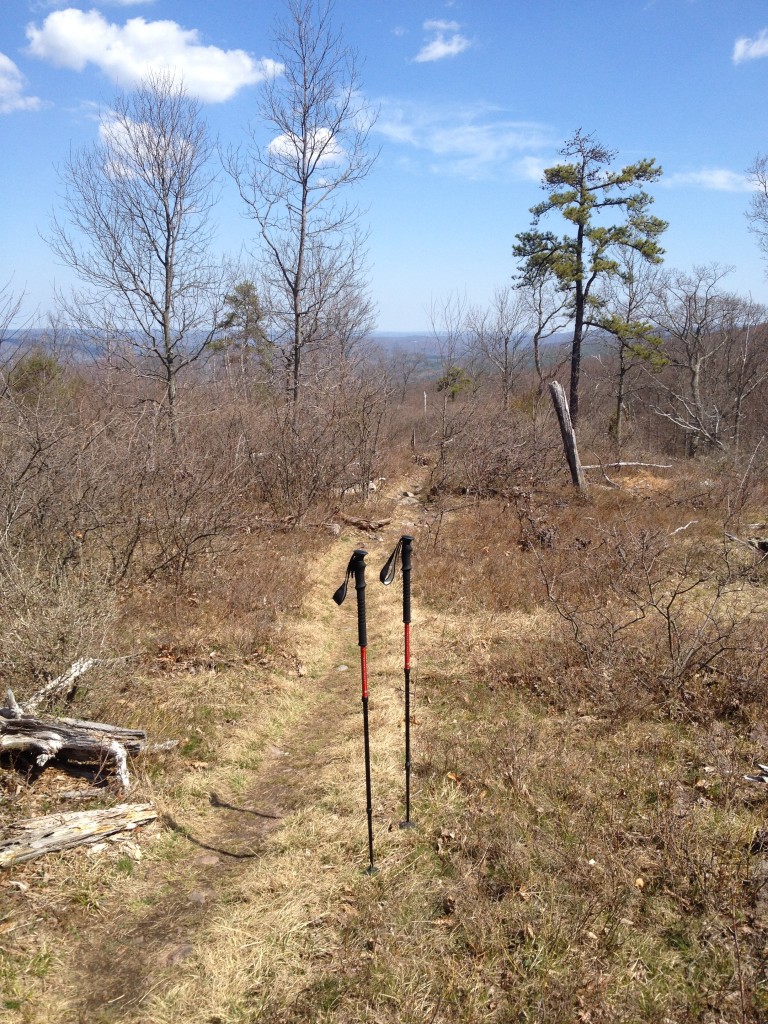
{"x":364,"y":524}
{"x":759,"y":544}
{"x":30,"y":838}
{"x":70,"y":739}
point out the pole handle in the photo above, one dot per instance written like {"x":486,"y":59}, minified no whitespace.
{"x":356,"y":567}
{"x":407,"y":549}
{"x":358,"y":558}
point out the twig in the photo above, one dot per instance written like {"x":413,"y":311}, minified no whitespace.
{"x":631,"y":465}
{"x":681,"y":528}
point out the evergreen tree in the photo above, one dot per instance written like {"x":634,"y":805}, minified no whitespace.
{"x":585,"y":191}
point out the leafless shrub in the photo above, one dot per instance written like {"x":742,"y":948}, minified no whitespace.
{"x":299,"y":464}
{"x":501,"y":455}
{"x":483,"y":450}
{"x":657,"y":621}
{"x":49,"y":618}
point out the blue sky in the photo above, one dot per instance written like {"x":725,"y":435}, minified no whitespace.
{"x":475,"y":97}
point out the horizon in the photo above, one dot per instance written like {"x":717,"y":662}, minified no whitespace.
{"x":467,"y":121}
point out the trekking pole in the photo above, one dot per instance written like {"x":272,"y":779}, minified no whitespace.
{"x":387,"y":575}
{"x":356,"y":568}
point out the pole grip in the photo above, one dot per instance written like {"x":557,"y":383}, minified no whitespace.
{"x":358,"y":570}
{"x":407,"y":542}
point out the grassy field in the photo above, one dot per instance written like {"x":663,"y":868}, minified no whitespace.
{"x":589,"y":691}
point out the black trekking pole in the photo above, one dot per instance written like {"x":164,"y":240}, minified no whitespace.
{"x":387,"y":575}
{"x":356,"y":568}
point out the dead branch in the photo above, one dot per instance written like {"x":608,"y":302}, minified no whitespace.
{"x":759,"y":544}
{"x":680,"y":529}
{"x":568,"y":434}
{"x":60,"y":684}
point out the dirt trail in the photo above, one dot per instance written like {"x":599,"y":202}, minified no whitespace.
{"x":275,"y":862}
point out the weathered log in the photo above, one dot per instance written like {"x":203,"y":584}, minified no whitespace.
{"x":68,"y":738}
{"x":560,"y":403}
{"x":364,"y":524}
{"x":759,"y":544}
{"x":32,"y":837}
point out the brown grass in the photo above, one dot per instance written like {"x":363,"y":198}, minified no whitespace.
{"x":586,"y":850}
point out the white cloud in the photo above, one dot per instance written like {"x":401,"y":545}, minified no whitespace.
{"x":323,"y":147}
{"x":473,"y":142}
{"x":441,"y":26}
{"x":102,"y":3}
{"x":715,"y":179}
{"x":442,"y":44}
{"x":129,"y":147}
{"x":125,"y":53}
{"x":531,"y":168}
{"x":12,"y":89}
{"x":750,"y":49}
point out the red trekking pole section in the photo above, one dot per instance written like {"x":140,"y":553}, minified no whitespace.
{"x":356,"y":568}
{"x":404,"y":549}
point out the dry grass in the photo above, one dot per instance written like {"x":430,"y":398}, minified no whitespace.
{"x":586,"y":850}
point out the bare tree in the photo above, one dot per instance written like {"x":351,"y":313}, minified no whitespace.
{"x":309,"y":246}
{"x":625,"y":304}
{"x":449,"y":329}
{"x":757,"y":214}
{"x":497,"y":336}
{"x":449,"y":320}
{"x":548,"y":311}
{"x":744,"y":366}
{"x":10,"y":307}
{"x":715,"y":343}
{"x":138,"y":234}
{"x":404,"y":366}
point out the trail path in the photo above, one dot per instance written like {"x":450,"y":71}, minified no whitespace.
{"x":248,"y":908}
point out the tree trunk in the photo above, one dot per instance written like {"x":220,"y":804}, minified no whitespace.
{"x":578,"y":324}
{"x":560,"y":403}
{"x":619,"y":428}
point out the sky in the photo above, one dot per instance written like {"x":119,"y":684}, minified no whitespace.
{"x":474,"y":98}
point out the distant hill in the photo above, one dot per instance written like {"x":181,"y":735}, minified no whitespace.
{"x":409,"y":341}
{"x":427,"y":342}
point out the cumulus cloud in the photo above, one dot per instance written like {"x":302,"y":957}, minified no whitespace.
{"x":126,"y":53}
{"x":12,"y":88}
{"x":323,"y":147}
{"x":472,"y":142}
{"x":750,"y":49}
{"x":445,"y":41}
{"x":130,"y":147}
{"x":715,"y":179}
